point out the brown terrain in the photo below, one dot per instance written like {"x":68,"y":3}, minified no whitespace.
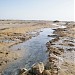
{"x":61,"y":49}
{"x":13,"y":32}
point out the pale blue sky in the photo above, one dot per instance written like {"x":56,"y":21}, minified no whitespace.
{"x":37,"y":9}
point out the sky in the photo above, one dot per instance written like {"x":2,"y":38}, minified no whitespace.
{"x":37,"y":9}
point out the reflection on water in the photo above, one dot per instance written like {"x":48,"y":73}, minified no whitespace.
{"x":34,"y":50}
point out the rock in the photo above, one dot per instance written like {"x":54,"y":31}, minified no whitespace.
{"x":52,"y":59}
{"x":61,"y":49}
{"x":52,"y":35}
{"x":49,"y":35}
{"x":37,"y":69}
{"x":46,"y":72}
{"x":56,"y":21}
{"x":55,"y":51}
{"x":55,"y":39}
{"x":70,"y":44}
{"x":23,"y":39}
{"x":26,"y":73}
{"x":48,"y":65}
{"x":23,"y":70}
{"x":19,"y":71}
{"x":48,"y":44}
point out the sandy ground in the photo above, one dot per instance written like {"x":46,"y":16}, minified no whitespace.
{"x":61,"y":49}
{"x":13,"y":32}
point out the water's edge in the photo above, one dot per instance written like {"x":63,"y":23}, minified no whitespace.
{"x":34,"y":50}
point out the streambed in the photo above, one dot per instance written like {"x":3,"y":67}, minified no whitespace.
{"x":33,"y":51}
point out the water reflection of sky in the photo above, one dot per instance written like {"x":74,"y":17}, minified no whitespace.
{"x":34,"y":50}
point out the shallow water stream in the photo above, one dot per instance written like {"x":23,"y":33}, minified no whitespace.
{"x":33,"y":50}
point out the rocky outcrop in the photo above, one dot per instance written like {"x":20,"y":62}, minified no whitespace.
{"x":36,"y":69}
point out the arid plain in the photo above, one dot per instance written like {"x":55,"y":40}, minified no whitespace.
{"x":61,"y":49}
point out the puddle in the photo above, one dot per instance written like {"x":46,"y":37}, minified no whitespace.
{"x":33,"y":50}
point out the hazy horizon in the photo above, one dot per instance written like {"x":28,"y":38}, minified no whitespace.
{"x":62,"y":10}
